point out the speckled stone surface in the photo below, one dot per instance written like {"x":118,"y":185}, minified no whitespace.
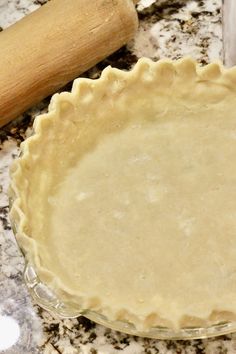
{"x":167,"y":29}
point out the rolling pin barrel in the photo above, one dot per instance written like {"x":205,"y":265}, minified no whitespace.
{"x":56,"y":43}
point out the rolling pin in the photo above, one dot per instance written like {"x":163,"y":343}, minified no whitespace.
{"x":56,"y":43}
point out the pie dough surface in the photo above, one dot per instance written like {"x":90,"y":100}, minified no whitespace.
{"x":128,"y":190}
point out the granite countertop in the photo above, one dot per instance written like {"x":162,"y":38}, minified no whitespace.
{"x":167,"y":29}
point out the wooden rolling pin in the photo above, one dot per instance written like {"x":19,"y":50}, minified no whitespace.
{"x":56,"y":43}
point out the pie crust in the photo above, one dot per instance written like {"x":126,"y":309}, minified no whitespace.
{"x":125,"y":196}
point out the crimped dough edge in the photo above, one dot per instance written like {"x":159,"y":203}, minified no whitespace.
{"x":186,"y":72}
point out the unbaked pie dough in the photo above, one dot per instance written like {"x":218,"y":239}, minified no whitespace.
{"x":126,"y":194}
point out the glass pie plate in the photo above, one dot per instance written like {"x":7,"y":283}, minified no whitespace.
{"x":186,"y":71}
{"x":46,"y":298}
